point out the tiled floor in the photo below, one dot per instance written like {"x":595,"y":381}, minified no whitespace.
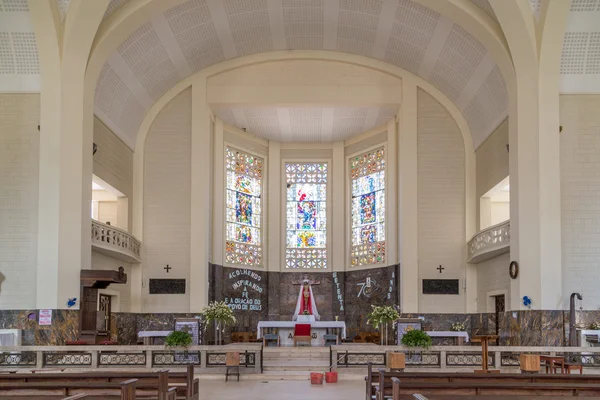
{"x":280,"y":390}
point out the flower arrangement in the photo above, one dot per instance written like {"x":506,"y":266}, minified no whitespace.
{"x":382,"y":315}
{"x":218,"y":312}
{"x":458,"y":327}
{"x":595,"y":326}
{"x":178,"y":339}
{"x":416,"y":338}
{"x":305,"y":312}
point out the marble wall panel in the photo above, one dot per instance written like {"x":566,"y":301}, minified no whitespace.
{"x":65,"y":326}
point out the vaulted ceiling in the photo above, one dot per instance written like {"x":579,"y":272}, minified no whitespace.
{"x":200,"y":33}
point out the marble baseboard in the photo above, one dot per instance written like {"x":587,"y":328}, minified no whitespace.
{"x":65,"y":326}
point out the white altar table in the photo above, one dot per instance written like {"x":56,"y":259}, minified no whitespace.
{"x":148,"y":336}
{"x":456,"y":334}
{"x":285,"y":330}
{"x":582,"y":333}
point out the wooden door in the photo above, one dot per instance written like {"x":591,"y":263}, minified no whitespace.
{"x":500,"y":307}
{"x":104,"y":313}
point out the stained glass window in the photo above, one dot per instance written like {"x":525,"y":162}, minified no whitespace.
{"x":306,"y":199}
{"x":367,"y":173}
{"x":243,"y":213}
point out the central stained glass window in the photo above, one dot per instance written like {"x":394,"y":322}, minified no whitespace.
{"x":306,"y":227}
{"x":243,"y":214}
{"x":367,"y":172}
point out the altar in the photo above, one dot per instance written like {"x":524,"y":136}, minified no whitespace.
{"x":285,"y":330}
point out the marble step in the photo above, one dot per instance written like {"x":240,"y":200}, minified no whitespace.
{"x":280,"y":376}
{"x":292,"y":364}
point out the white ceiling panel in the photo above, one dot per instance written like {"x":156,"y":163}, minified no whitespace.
{"x":306,"y":124}
{"x":198,"y":33}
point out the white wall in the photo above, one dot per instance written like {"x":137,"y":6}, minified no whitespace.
{"x":491,"y":163}
{"x":19,"y":171}
{"x":441,"y":200}
{"x":580,"y":197}
{"x":167,"y":202}
{"x":492,"y":279}
{"x":107,"y":212}
{"x":500,"y":212}
{"x":113,"y":163}
{"x":104,"y":262}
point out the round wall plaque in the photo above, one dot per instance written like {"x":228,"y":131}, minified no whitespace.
{"x":513,"y":269}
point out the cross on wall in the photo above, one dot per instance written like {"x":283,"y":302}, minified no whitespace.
{"x":167,"y":268}
{"x":440,"y":268}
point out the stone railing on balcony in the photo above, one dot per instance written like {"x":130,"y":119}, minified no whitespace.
{"x":115,"y":242}
{"x":489,"y":243}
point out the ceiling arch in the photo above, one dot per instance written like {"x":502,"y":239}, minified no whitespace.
{"x":198,"y":33}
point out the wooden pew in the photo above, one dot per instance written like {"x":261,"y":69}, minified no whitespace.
{"x":421,"y":397}
{"x":186,"y":385}
{"x":482,"y":387}
{"x":76,"y":397}
{"x":126,"y":390}
{"x":372,"y":378}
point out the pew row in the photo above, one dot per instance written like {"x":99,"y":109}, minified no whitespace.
{"x":128,"y":390}
{"x":187,"y":387}
{"x":470,"y":388}
{"x":372,"y":378}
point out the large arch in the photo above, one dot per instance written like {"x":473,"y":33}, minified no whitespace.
{"x":200,"y":78}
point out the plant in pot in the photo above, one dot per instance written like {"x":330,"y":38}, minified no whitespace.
{"x":179,"y":339}
{"x":380,"y":318}
{"x":221,"y":315}
{"x":416,"y":339}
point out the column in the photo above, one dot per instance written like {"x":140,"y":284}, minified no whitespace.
{"x":201,"y":197}
{"x":339,"y":206}
{"x":408,"y":199}
{"x":391,"y":169}
{"x":65,"y":180}
{"x":218,"y":211}
{"x":272,"y":250}
{"x":535,"y":150}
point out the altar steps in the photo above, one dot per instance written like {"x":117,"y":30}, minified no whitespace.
{"x":294,"y":362}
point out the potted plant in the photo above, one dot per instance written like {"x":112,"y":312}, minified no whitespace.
{"x":222,"y":316}
{"x":594,"y":326}
{"x":179,"y":339}
{"x":380,"y":317}
{"x":416,"y":339}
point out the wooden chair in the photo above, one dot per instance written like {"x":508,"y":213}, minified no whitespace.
{"x":302,"y":333}
{"x":330,"y":339}
{"x":232,"y":361}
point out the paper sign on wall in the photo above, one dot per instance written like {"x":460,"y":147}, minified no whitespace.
{"x":45,"y":317}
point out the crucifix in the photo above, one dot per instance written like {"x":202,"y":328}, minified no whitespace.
{"x":440,"y":268}
{"x":167,"y":268}
{"x":306,"y":284}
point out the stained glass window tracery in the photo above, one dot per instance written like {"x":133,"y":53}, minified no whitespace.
{"x":306,"y":215}
{"x":243,"y":211}
{"x":367,"y":173}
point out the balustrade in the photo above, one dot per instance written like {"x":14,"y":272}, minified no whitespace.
{"x":204,"y":357}
{"x":450,"y":358}
{"x":489,"y":243}
{"x":115,"y":242}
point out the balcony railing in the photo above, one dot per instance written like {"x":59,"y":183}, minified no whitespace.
{"x":489,"y":243}
{"x":115,"y":242}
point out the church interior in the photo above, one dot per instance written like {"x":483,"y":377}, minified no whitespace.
{"x":199,"y":194}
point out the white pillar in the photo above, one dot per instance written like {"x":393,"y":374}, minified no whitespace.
{"x":408,"y":216}
{"x":274,"y":193}
{"x":391,"y":169}
{"x":64,"y":225}
{"x":218,"y":210}
{"x":201,"y":197}
{"x":535,"y":151}
{"x":338,"y":202}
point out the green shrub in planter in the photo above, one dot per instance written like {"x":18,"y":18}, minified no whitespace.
{"x":178,"y":339}
{"x":416,"y":338}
